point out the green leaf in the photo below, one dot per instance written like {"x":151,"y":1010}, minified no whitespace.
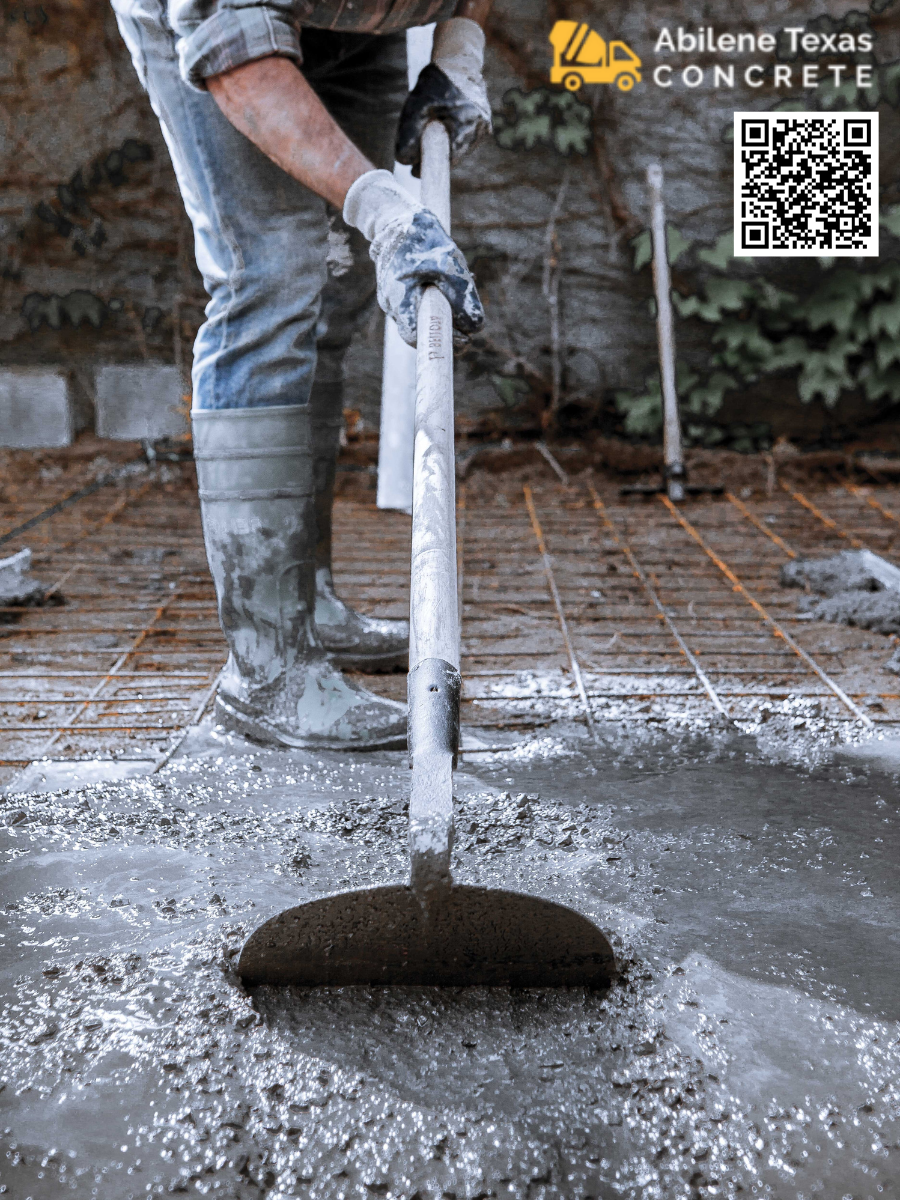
{"x":789,"y":353}
{"x":572,"y":123}
{"x":527,"y":132}
{"x":746,"y":338}
{"x":824,"y":374}
{"x":835,"y":310}
{"x":885,"y":318}
{"x":572,"y":138}
{"x":890,"y":219}
{"x":772,"y":300}
{"x":686,"y":306}
{"x":721,"y":295}
{"x":877,"y":385}
{"x":707,"y":399}
{"x":641,"y":249}
{"x":889,"y":81}
{"x":676,"y":244}
{"x":509,"y":388}
{"x":729,"y":295}
{"x":721,"y":253}
{"x":790,"y":106}
{"x":685,"y":378}
{"x":887,"y":352}
{"x":845,"y":96}
{"x":643,"y":413}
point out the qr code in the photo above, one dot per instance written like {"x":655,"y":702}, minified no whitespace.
{"x":806,"y":184}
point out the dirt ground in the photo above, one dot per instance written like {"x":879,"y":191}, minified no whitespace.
{"x":751,"y":1046}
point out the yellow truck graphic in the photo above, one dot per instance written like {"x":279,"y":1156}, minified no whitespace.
{"x":580,"y":55}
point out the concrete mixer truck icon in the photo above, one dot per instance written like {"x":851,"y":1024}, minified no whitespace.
{"x":581,"y":55}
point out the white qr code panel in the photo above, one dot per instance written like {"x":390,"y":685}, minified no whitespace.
{"x":806,"y":184}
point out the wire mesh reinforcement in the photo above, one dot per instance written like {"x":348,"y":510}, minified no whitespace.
{"x":575,"y":604}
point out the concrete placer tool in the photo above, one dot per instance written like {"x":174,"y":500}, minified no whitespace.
{"x":432,"y":931}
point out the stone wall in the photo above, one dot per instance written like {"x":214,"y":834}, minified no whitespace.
{"x":95,"y":255}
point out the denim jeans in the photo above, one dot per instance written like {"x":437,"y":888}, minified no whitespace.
{"x":278,"y":298}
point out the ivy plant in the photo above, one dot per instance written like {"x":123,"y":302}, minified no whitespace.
{"x":838,"y":335}
{"x":543,"y":117}
{"x":841,"y":335}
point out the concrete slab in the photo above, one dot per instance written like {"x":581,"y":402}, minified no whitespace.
{"x":36,"y":408}
{"x":879,"y":752}
{"x":139,"y":401}
{"x":55,"y":774}
{"x":751,"y":1047}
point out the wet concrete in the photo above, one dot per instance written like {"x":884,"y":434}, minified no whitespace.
{"x":859,"y":588}
{"x":18,"y":587}
{"x":750,"y":1048}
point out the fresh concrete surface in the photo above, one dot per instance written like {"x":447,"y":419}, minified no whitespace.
{"x":750,"y":1048}
{"x":54,"y":775}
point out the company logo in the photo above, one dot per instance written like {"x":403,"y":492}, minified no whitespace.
{"x":581,"y":55}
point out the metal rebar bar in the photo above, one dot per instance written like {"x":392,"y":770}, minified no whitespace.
{"x":120,"y":662}
{"x":563,"y":624}
{"x":80,"y":493}
{"x":765,"y":616}
{"x":872,"y":502}
{"x":195,"y":720}
{"x":754,"y":520}
{"x":544,"y":450}
{"x":639,"y":571}
{"x":827,"y":521}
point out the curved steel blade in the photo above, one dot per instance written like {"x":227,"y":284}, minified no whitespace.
{"x":470,"y":936}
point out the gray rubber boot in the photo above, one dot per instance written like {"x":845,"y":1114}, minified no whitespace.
{"x":353,"y":640}
{"x":279,"y":687}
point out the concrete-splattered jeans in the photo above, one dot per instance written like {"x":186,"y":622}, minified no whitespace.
{"x":262,"y":239}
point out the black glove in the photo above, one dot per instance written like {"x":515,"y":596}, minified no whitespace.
{"x":450,"y":89}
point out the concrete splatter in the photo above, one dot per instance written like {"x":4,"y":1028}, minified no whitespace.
{"x":751,"y":1046}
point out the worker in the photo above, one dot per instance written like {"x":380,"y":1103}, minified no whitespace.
{"x":282,"y":118}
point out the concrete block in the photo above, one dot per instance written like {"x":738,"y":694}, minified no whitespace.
{"x":139,"y":401}
{"x":35,"y":408}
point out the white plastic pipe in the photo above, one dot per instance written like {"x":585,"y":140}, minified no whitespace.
{"x":398,"y":378}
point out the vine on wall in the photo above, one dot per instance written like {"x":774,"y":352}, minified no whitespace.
{"x":837,"y":333}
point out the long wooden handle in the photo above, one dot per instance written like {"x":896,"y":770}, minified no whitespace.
{"x":434,"y":682}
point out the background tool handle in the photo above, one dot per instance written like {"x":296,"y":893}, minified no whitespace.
{"x":672,"y":452}
{"x":434,"y":681}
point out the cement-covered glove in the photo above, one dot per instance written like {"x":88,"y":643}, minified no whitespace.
{"x":449,"y":89}
{"x":410,"y":249}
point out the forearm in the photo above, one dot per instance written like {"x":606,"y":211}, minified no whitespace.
{"x":271,"y":103}
{"x":474,"y":10}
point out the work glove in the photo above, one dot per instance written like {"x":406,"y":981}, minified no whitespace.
{"x":411,"y":249}
{"x":449,"y":89}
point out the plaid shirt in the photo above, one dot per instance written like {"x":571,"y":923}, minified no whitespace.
{"x":217,"y":35}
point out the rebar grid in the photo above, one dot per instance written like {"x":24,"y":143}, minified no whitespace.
{"x":574,"y":604}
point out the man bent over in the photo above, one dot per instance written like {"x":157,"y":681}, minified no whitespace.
{"x":281,"y":117}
